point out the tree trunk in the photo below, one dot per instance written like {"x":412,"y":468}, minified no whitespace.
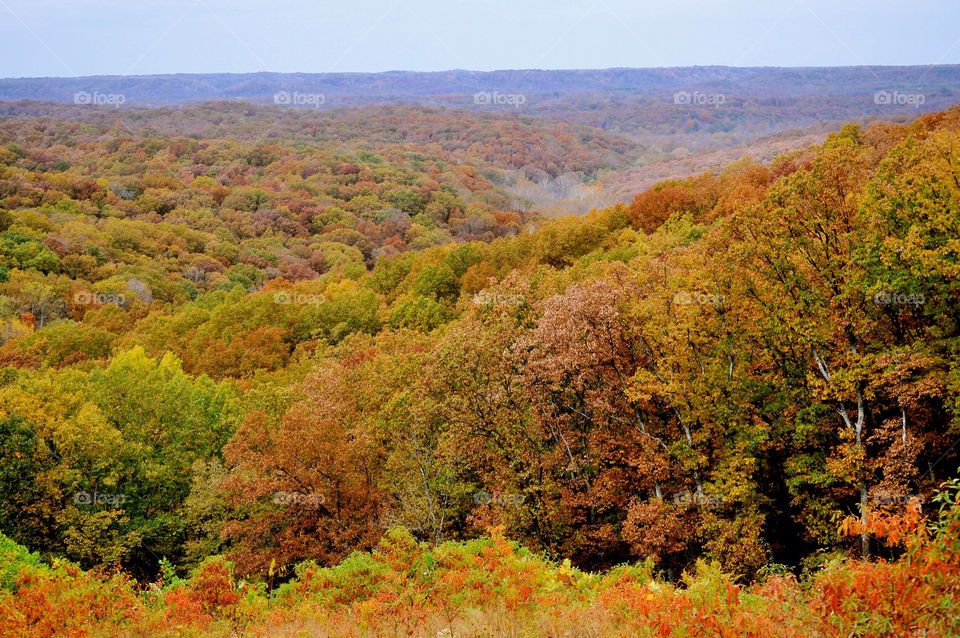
{"x":864,"y":534}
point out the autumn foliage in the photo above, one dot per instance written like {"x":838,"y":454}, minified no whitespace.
{"x":276,"y":386}
{"x":491,"y":585}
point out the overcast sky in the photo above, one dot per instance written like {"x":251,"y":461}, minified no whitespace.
{"x":94,"y":37}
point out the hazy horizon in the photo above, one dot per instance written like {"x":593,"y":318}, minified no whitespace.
{"x":491,"y":71}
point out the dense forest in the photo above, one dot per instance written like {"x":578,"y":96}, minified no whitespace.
{"x":321,"y":377}
{"x":745,"y":103}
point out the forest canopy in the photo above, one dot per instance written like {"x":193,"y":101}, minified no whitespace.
{"x":275,"y":352}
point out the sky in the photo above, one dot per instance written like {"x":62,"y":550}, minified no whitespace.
{"x":41,"y":38}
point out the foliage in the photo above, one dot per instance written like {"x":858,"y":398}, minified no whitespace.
{"x":248,"y":349}
{"x":487,"y":585}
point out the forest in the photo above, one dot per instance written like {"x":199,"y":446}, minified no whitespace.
{"x":639,"y":104}
{"x":326,"y":378}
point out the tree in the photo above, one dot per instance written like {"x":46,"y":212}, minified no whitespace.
{"x":304,"y":487}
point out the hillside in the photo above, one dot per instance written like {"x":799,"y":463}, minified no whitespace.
{"x":505,"y":160}
{"x":621,"y":185}
{"x":334,"y":375}
{"x":155,"y":90}
{"x":665,"y":109}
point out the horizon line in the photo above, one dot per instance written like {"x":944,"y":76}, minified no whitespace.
{"x":473,"y":71}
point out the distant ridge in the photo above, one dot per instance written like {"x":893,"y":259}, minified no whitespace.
{"x":433,"y":88}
